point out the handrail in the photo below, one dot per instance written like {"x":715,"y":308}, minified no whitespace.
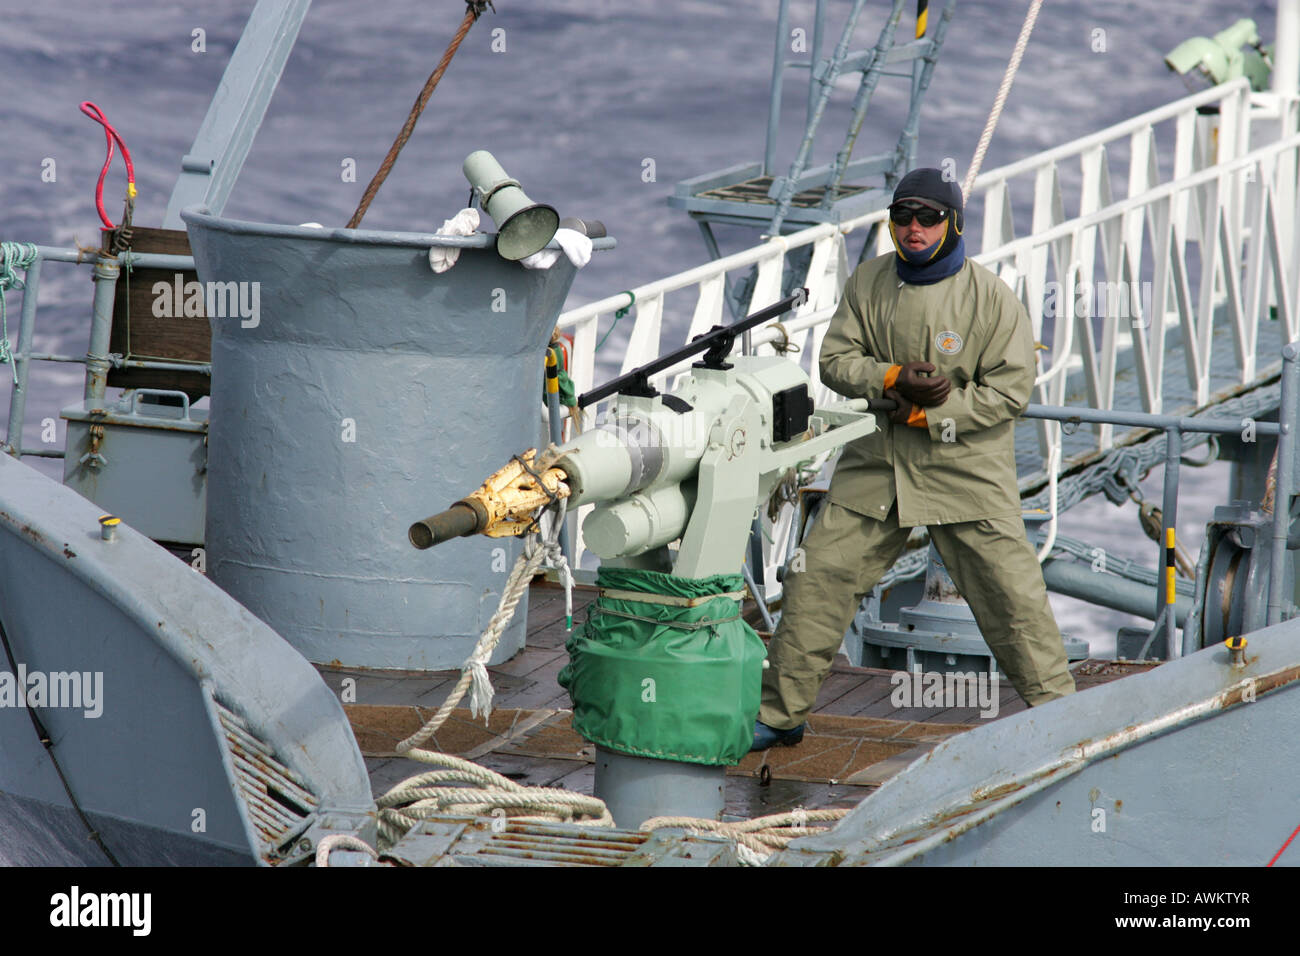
{"x":1154,"y":194}
{"x":1076,"y":147}
{"x":1218,"y":197}
{"x":101,"y":317}
{"x":1174,"y":426}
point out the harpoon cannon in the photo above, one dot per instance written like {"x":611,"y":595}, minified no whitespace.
{"x":665,"y":676}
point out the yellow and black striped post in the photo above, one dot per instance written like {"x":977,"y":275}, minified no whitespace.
{"x":553,"y":393}
{"x":552,"y":373}
{"x":557,"y":436}
{"x":921,"y":6}
{"x":1171,"y":591}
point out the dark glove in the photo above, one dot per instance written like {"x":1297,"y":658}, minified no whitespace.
{"x":921,"y":388}
{"x":899,"y":415}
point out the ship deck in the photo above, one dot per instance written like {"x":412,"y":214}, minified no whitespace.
{"x":856,"y":738}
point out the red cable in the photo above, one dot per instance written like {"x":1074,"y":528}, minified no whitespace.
{"x":1284,"y":846}
{"x":110,"y":134}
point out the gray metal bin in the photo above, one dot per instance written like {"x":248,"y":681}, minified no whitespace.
{"x":367,"y":393}
{"x":143,"y":458}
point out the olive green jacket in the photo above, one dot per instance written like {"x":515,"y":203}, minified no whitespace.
{"x":962,"y":467}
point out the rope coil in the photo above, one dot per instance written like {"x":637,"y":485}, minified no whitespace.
{"x":757,"y":839}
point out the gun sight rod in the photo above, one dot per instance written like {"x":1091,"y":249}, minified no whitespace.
{"x":701,"y":343}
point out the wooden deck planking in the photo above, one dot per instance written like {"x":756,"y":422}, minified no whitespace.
{"x":527,"y":682}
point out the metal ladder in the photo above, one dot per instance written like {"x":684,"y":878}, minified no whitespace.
{"x":754,"y":195}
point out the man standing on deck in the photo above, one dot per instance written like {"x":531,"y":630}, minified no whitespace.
{"x":948,"y":341}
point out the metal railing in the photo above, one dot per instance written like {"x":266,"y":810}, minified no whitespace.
{"x":1221,"y":214}
{"x":1174,"y":428}
{"x":98,"y":360}
{"x":995,"y":192}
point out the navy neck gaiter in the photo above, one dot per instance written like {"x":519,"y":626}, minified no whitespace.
{"x":933,"y":263}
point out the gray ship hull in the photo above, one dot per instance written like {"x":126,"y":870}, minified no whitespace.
{"x":187,"y":731}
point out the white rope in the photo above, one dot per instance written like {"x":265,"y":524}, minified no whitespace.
{"x":463,"y":786}
{"x":474,"y":670}
{"x":1008,"y":78}
{"x":435,"y":793}
{"x":555,"y":555}
{"x":341,"y":841}
{"x":757,"y":839}
{"x":748,"y":857}
{"x":1053,"y":466}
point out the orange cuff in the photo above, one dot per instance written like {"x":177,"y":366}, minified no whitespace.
{"x":891,"y":376}
{"x":917,"y":418}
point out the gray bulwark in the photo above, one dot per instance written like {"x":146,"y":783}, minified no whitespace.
{"x":188,"y":731}
{"x":1191,"y":764}
{"x":370,"y":393}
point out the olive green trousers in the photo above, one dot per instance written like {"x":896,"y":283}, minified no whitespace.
{"x":845,"y":554}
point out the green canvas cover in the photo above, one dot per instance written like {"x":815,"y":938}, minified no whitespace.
{"x":568,"y":392}
{"x":665,"y":681}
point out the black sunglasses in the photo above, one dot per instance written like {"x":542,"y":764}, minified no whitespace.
{"x":927,"y":217}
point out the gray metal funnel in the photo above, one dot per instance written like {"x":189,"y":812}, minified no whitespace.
{"x":368,"y":392}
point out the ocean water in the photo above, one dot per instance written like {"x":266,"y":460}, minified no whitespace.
{"x":575,"y":98}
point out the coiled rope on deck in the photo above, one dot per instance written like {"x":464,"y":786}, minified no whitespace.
{"x":439,"y":792}
{"x":757,"y":839}
{"x":342,"y":841}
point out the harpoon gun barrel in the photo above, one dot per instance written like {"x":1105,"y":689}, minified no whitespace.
{"x":464,"y":518}
{"x":502,"y":506}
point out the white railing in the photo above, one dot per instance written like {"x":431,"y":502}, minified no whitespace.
{"x":1234,"y":206}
